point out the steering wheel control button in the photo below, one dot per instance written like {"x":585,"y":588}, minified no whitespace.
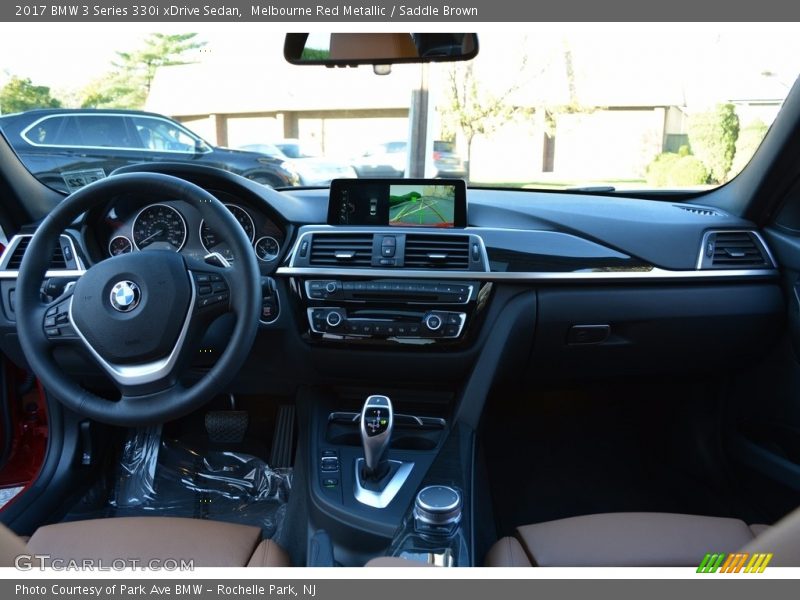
{"x":56,"y":321}
{"x":211,"y":288}
{"x":125,"y":296}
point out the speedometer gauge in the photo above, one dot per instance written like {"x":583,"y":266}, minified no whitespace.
{"x":159,"y":226}
{"x":213,"y":242}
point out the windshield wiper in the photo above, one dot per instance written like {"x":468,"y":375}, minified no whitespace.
{"x":593,"y":189}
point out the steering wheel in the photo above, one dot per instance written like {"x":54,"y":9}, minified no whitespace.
{"x":140,"y":315}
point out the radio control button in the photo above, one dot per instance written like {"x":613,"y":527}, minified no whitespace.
{"x":433,"y":322}
{"x":330,"y":287}
{"x":334,"y":319}
{"x":451,"y":331}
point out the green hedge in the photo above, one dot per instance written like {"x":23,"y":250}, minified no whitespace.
{"x":676,"y":170}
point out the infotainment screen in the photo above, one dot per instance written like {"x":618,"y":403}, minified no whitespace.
{"x":440,"y":203}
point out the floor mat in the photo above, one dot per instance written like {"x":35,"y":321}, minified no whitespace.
{"x":576,"y":452}
{"x":184,"y":478}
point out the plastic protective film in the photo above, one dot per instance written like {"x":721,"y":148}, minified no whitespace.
{"x":170,"y":478}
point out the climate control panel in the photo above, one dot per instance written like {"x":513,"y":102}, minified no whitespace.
{"x":432,"y":324}
{"x":391,"y":310}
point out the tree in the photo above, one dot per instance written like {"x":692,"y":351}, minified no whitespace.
{"x":712,"y":136}
{"x":749,"y":140}
{"x":472,"y":109}
{"x":129,"y":84}
{"x":20,"y":94}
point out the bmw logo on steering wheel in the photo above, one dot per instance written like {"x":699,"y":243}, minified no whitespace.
{"x":125,"y":296}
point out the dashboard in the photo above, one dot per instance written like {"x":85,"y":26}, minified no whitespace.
{"x":585,"y":284}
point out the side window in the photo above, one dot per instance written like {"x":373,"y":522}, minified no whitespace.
{"x":49,"y":131}
{"x":105,"y":131}
{"x":163,"y":136}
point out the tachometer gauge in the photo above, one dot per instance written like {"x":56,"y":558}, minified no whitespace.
{"x":267,"y":248}
{"x":213,"y":242}
{"x":210,"y":238}
{"x":119,"y":245}
{"x":159,"y":226}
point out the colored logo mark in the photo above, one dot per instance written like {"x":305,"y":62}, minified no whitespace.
{"x":738,"y":562}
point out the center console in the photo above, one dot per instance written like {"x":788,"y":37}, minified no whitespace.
{"x":396,"y":270}
{"x":383,"y":482}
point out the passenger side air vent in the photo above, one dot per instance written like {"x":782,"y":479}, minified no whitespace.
{"x":437,"y":252}
{"x":58,"y":262}
{"x":734,"y":250}
{"x":341,"y":249}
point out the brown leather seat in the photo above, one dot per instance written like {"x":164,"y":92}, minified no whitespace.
{"x":643,"y":539}
{"x":143,"y":539}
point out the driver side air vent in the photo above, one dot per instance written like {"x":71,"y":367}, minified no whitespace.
{"x":734,"y":250}
{"x":341,"y":249}
{"x":437,"y":252}
{"x":63,"y":254}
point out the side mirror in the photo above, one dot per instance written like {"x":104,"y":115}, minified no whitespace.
{"x":353,"y":49}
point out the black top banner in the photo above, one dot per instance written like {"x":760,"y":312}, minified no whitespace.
{"x":383,"y":11}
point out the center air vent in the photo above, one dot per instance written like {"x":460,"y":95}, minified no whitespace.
{"x":734,"y":250}
{"x":57,"y":262}
{"x":341,"y":249}
{"x":437,"y":252}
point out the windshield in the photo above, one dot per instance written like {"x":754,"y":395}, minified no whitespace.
{"x":543,"y":106}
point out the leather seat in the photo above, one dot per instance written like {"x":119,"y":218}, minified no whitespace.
{"x":207,"y":543}
{"x":643,"y":539}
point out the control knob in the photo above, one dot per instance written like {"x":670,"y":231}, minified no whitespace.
{"x":433,"y":322}
{"x":333,"y":318}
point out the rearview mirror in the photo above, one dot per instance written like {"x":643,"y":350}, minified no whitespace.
{"x":352,"y":49}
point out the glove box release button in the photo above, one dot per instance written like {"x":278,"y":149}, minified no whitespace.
{"x":588,"y":334}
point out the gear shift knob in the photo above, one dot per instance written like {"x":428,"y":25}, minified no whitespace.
{"x":377,"y":420}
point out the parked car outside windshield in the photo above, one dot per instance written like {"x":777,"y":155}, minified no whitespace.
{"x":68,"y":149}
{"x":313,"y":169}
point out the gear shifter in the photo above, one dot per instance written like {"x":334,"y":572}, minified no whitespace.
{"x":377,"y":420}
